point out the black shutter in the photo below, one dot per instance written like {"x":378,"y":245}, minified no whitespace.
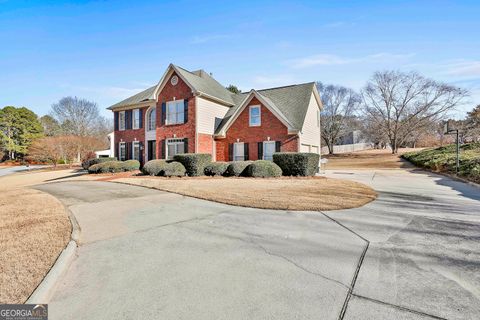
{"x":278,"y":145}
{"x":162,"y":154}
{"x":115,"y":120}
{"x":185,"y":145}
{"x":141,"y":151}
{"x":260,"y":150}
{"x":115,"y":154}
{"x":164,"y":112}
{"x":245,"y":151}
{"x":140,"y":113}
{"x":129,"y":150}
{"x":185,"y":109}
{"x":130,"y":122}
{"x":230,"y":152}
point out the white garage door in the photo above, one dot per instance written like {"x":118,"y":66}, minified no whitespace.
{"x":314,"y":149}
{"x":304,"y":148}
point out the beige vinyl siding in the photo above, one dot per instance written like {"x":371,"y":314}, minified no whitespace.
{"x":310,"y":134}
{"x":207,"y":111}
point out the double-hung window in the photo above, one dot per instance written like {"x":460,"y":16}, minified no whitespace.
{"x":175,"y":146}
{"x":268,"y":150}
{"x":121,"y":120}
{"x":136,"y":119}
{"x":136,"y":150}
{"x":254,"y":116}
{"x":238,"y":151}
{"x":175,"y":112}
{"x":122,"y":151}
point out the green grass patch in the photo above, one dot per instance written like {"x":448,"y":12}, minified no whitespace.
{"x":443,"y":159}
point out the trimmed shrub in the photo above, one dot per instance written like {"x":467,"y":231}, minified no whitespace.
{"x":155,"y":167}
{"x":297,"y":163}
{"x":194,"y":163}
{"x":237,"y":168}
{"x":174,"y":169}
{"x":131,"y":165}
{"x":216,"y":168}
{"x":87,"y":163}
{"x":106,"y":167}
{"x":263,"y":169}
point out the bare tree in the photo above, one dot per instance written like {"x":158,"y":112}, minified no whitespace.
{"x":399,"y":103}
{"x":80,"y":118}
{"x":339,"y":106}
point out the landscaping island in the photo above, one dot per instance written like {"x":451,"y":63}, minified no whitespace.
{"x":443,"y":160}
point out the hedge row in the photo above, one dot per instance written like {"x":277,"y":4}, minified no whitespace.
{"x":90,"y":162}
{"x":196,"y":164}
{"x":164,"y":168}
{"x":114,"y":166}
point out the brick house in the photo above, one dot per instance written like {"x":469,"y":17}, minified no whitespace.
{"x":191,"y":112}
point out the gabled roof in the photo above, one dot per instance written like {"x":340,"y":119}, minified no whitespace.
{"x":291,"y":101}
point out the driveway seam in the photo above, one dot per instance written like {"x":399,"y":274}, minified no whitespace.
{"x":357,"y":270}
{"x":398,"y":307}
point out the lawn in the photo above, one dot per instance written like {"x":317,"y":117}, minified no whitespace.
{"x":310,"y":193}
{"x":443,"y":160}
{"x":368,"y":159}
{"x":34,"y":229}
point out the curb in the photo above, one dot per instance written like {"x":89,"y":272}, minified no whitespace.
{"x":44,"y":291}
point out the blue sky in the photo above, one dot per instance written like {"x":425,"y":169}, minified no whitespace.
{"x":108,"y":50}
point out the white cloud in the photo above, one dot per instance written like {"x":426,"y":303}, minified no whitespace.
{"x":329,"y":59}
{"x":464,"y":68}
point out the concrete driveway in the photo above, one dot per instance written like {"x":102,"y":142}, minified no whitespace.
{"x":412,"y":254}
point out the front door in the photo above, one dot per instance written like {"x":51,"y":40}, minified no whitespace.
{"x":152,"y":147}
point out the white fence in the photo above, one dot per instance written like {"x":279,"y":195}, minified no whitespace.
{"x":349,"y":148}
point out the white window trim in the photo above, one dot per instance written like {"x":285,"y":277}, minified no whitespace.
{"x":182,"y":105}
{"x":264,"y":148}
{"x":121,"y":124}
{"x":133,"y":150}
{"x":259,"y":115}
{"x":135,"y":125}
{"x":176,"y":142}
{"x":151,"y":126}
{"x":120,"y":145}
{"x":242,"y":155}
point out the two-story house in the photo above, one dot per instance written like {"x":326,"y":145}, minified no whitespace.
{"x":191,"y":112}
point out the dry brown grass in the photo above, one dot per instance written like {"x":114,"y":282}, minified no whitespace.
{"x":312,"y":194}
{"x":34,"y":229}
{"x":368,"y":159}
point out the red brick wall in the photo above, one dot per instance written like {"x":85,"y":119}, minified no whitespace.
{"x":205,"y":143}
{"x":186,"y":130}
{"x":270,"y":126}
{"x":131,"y":135}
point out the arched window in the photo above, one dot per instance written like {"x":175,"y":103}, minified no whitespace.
{"x":151,"y":119}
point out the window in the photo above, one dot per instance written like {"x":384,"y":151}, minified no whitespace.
{"x":122,"y":152}
{"x":175,"y":146}
{"x":268,"y":150}
{"x":151,"y":119}
{"x":175,"y":112}
{"x":136,"y":150}
{"x":136,"y":119}
{"x":255,"y":120}
{"x":238,"y":151}
{"x":121,"y":120}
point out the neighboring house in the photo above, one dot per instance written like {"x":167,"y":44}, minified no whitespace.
{"x":108,"y":152}
{"x":191,"y":112}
